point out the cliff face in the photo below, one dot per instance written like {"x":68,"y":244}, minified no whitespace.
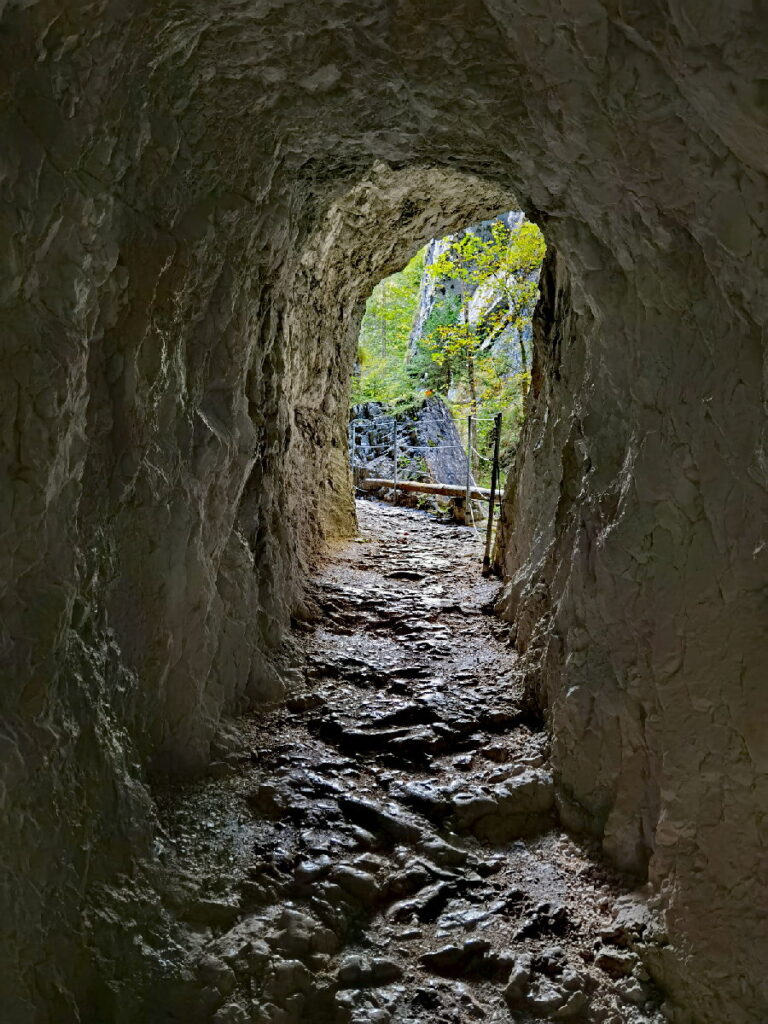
{"x":437,"y":294}
{"x":429,"y":446}
{"x":196,"y":199}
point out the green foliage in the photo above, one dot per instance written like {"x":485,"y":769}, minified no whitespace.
{"x":505,"y":267}
{"x":510,"y":263}
{"x":434,"y":375}
{"x":460,"y":353}
{"x":509,"y":259}
{"x":503,"y":391}
{"x":382,"y":373}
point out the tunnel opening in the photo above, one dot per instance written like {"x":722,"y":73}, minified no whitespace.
{"x":443,"y":367}
{"x":384,"y":732}
{"x":386,"y":827}
{"x":197,"y":199}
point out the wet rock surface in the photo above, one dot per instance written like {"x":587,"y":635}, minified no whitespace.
{"x":197,"y":197}
{"x":383,"y":848}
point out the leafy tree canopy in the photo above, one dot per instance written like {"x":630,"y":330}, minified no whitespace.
{"x":466,"y":352}
{"x":385,"y":331}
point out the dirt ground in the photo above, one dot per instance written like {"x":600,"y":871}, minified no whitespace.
{"x":384,"y":847}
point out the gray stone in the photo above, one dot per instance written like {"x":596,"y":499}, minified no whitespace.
{"x":311,"y":870}
{"x":213,"y":971}
{"x":231,"y":1013}
{"x":377,"y":819}
{"x":615,"y":962}
{"x":456,"y":961}
{"x":352,"y":970}
{"x":516,"y":807}
{"x":410,"y":880}
{"x":429,"y":447}
{"x":443,"y":853}
{"x":574,"y":1006}
{"x":519,"y":980}
{"x":361,"y":885}
{"x":384,"y":971}
{"x":445,"y":960}
{"x":212,"y":912}
{"x":632,"y":918}
{"x":286,"y":979}
{"x":631,"y":991}
{"x":244,"y":943}
{"x":545,"y":997}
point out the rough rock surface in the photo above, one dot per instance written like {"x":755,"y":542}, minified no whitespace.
{"x":196,"y":198}
{"x":344,"y":879}
{"x":636,"y":591}
{"x":429,"y":446}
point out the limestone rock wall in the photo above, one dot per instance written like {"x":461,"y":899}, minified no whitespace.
{"x":435,"y":293}
{"x":632,"y":547}
{"x":429,"y":446}
{"x":195,"y":200}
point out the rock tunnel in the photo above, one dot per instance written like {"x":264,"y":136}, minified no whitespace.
{"x":197,"y":197}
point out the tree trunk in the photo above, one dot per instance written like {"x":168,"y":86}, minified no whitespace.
{"x":423,"y":487}
{"x":383,"y":323}
{"x":469,"y":343}
{"x":471,"y":382}
{"x":521,"y":343}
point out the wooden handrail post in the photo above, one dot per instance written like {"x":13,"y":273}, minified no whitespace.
{"x":394,"y":450}
{"x":492,"y":502}
{"x":468,"y":497}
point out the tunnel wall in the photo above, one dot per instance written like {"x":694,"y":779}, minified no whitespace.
{"x":631,"y":548}
{"x":196,"y":199}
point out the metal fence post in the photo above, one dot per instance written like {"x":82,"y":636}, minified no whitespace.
{"x":492,"y":502}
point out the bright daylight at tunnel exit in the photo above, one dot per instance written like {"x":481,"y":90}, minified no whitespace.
{"x":384,"y":504}
{"x":449,"y":337}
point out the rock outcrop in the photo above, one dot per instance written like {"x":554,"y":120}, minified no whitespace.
{"x":429,"y":446}
{"x":196,"y":199}
{"x":436,"y":295}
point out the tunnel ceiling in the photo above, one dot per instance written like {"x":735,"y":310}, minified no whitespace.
{"x":196,"y":199}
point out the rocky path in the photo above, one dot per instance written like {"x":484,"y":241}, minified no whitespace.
{"x":384,"y":848}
